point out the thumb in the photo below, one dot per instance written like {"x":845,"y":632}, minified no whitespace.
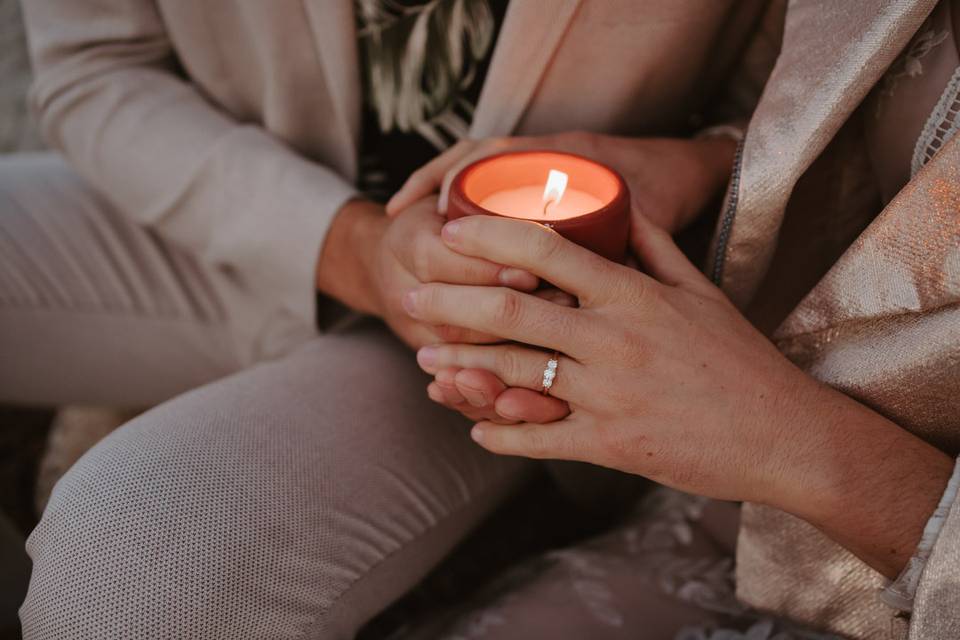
{"x":660,"y":256}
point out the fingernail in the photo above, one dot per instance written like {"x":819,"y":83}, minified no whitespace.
{"x":477,"y":434}
{"x":513,"y":277}
{"x":503,"y":410}
{"x":446,"y":378}
{"x":474,"y":397}
{"x":450,"y":231}
{"x":561,"y":298}
{"x":409,"y":302}
{"x":427,"y":357}
{"x":507,"y":415}
{"x":434,"y":394}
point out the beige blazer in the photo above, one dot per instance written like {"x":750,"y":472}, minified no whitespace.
{"x":882,"y":323}
{"x":231,"y":126}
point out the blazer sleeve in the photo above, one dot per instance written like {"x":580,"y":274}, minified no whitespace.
{"x":936,"y":607}
{"x":108,"y":96}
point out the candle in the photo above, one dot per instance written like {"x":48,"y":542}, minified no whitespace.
{"x":582,"y":200}
{"x":524,"y":202}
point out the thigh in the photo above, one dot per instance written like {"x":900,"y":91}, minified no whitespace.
{"x":294,"y":499}
{"x":93,"y":307}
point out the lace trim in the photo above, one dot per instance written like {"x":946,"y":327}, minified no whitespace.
{"x":943,"y":123}
{"x":900,"y":593}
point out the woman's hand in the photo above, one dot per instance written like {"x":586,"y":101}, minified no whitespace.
{"x":370,"y":261}
{"x":671,"y":180}
{"x":664,"y":378}
{"x":649,"y":364}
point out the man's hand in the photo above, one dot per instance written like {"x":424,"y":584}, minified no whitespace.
{"x":671,"y":180}
{"x":370,"y":261}
{"x":666,"y":379}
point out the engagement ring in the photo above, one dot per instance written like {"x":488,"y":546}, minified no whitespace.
{"x":550,"y":373}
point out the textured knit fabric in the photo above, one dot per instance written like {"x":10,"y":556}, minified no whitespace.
{"x":292,"y":500}
{"x":281,"y":502}
{"x":96,"y":309}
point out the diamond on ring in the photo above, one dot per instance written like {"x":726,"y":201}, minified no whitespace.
{"x":550,"y":373}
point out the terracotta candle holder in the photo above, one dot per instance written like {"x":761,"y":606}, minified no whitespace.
{"x":583,"y":200}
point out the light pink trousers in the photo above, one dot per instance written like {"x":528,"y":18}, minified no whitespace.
{"x":293,"y":498}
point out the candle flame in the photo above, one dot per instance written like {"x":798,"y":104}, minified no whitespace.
{"x":556,"y":185}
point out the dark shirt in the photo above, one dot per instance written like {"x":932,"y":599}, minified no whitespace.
{"x":423,"y":66}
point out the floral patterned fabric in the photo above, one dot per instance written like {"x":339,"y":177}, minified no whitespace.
{"x":423,"y":65}
{"x":665,"y":572}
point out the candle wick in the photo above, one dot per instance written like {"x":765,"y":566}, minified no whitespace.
{"x":545,"y":205}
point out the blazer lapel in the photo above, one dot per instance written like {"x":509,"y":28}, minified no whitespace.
{"x":832,"y":54}
{"x":530,"y":34}
{"x":335,"y":36}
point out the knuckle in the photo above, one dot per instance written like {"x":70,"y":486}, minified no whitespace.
{"x":508,"y":309}
{"x":421,"y":265}
{"x":421,"y":260}
{"x":427,"y":299}
{"x":507,"y":364}
{"x":572,"y":325}
{"x":536,"y":443}
{"x":546,"y":244}
{"x":639,"y":287}
{"x":635,"y":291}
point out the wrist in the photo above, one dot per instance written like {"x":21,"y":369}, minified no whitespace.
{"x":865,"y":482}
{"x":347,"y":265}
{"x":717,"y":153}
{"x":696,"y":171}
{"x":714,"y":164}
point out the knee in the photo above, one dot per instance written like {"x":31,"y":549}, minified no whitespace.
{"x":235,"y":511}
{"x":165,"y":529}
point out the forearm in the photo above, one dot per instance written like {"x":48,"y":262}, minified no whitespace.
{"x":108,"y":96}
{"x":865,"y":482}
{"x":346,"y":267}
